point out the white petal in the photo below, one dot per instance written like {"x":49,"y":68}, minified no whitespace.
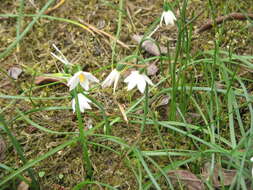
{"x":135,"y":73}
{"x":161,"y":20}
{"x":60,"y":59}
{"x":141,"y":85}
{"x":132,"y":80}
{"x":73,"y":105}
{"x":148,"y":80}
{"x":113,"y":77}
{"x":77,"y":73}
{"x":73,"y":82}
{"x":85,"y":105}
{"x":85,"y":84}
{"x":83,"y":102}
{"x":127,"y":79}
{"x":83,"y":98}
{"x":63,"y":57}
{"x":135,"y":78}
{"x":173,"y":16}
{"x":116,"y":82}
{"x":81,"y":107}
{"x":131,"y":85}
{"x":90,"y":77}
{"x":130,"y":77}
{"x":168,"y":17}
{"x":108,"y":81}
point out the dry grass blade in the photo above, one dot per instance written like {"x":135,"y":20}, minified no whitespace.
{"x":122,"y":110}
{"x":101,"y":32}
{"x":55,"y":7}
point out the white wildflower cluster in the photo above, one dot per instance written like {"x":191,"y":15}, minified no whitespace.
{"x":133,"y":80}
{"x":83,"y":79}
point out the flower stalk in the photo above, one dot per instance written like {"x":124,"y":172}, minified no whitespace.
{"x":82,"y":139}
{"x":145,"y":108}
{"x":107,"y":128}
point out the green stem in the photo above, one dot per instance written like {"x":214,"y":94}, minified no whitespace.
{"x":19,"y":20}
{"x":107,"y":125}
{"x":83,"y":140}
{"x":121,"y":2}
{"x":145,"y":107}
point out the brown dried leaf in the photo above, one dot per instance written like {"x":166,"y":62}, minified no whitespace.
{"x":164,"y":101}
{"x":191,"y":181}
{"x":2,"y":148}
{"x":152,"y":69}
{"x":221,"y":177}
{"x":30,"y":129}
{"x":149,"y":46}
{"x":23,"y":186}
{"x":14,"y":72}
{"x":40,"y":80}
{"x":59,"y":187}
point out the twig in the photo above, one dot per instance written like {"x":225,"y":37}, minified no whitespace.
{"x":232,"y":16}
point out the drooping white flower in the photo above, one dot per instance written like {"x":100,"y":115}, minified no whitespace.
{"x":83,"y":78}
{"x":168,"y":17}
{"x":113,"y":77}
{"x":61,"y":58}
{"x":83,"y":103}
{"x":137,"y":79}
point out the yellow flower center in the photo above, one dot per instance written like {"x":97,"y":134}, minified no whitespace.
{"x":81,"y":78}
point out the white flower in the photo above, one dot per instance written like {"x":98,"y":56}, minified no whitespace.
{"x":168,"y":17}
{"x":83,"y":103}
{"x":61,"y":58}
{"x":83,"y":78}
{"x":113,"y":77}
{"x":137,"y":79}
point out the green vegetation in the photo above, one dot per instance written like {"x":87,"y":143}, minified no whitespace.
{"x":196,"y":118}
